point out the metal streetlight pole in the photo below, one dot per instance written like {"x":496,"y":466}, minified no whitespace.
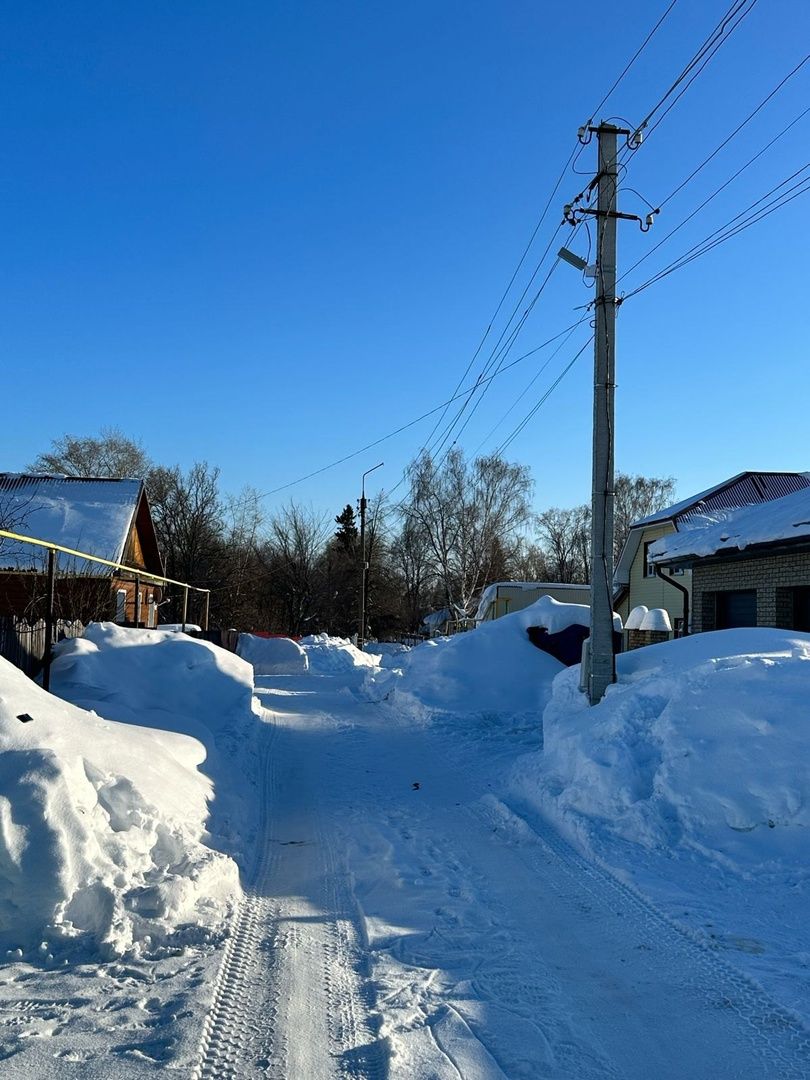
{"x":361,"y":633}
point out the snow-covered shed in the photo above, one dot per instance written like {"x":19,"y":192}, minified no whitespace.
{"x":503,"y":597}
{"x":749,"y":567}
{"x":107,"y":518}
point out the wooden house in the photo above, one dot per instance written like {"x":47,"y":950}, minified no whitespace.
{"x":106,"y":518}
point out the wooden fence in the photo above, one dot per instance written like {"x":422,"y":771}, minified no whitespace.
{"x":23,"y":643}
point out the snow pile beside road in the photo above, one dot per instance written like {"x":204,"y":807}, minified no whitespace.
{"x":125,"y":674}
{"x":492,"y":669}
{"x":702,"y":746}
{"x":272,"y":656}
{"x":101,"y":831}
{"x":336,"y":656}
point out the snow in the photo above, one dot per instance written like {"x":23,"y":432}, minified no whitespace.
{"x":782,"y":519}
{"x":701,"y":744}
{"x":490,"y":593}
{"x":492,"y":669}
{"x":103,"y":846}
{"x":408,"y":906}
{"x":692,"y":779}
{"x":656,"y":619}
{"x":636,"y":617}
{"x":177,"y":628}
{"x":334,"y":655}
{"x":272,"y":656}
{"x":93,"y":516}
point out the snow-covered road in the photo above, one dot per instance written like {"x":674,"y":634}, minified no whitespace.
{"x":403,"y":917}
{"x":403,"y":920}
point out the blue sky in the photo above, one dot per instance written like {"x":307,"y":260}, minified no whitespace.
{"x":263,"y":235}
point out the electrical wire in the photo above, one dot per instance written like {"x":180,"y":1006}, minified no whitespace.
{"x":539,"y":404}
{"x":738,"y":10}
{"x":736,"y":131}
{"x":716,"y":192}
{"x":436,"y":446}
{"x":416,"y":420}
{"x":530,"y":384}
{"x":730,"y":229}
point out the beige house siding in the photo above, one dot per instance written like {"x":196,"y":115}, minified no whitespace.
{"x":652,"y":591}
{"x":773,"y":577}
{"x":511,"y":599}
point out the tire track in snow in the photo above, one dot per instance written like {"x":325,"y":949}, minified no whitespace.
{"x":288,"y":1002}
{"x":241,"y":1021}
{"x":777,"y":1038}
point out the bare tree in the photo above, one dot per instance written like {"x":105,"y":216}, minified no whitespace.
{"x":290,"y":558}
{"x":189,"y":522}
{"x":563,"y":536}
{"x":110,"y":453}
{"x":411,"y":557}
{"x":470,"y":513}
{"x":636,"y":498}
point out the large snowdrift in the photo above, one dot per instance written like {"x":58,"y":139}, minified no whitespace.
{"x":101,"y":831}
{"x":492,"y":669}
{"x":128,"y":674}
{"x":272,"y":656}
{"x":703,"y":745}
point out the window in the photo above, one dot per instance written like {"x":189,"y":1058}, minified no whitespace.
{"x":649,"y":567}
{"x":735,"y":608}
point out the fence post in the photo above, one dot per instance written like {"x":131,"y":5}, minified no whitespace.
{"x":206,"y":608}
{"x":137,"y":601}
{"x":185,"y":607}
{"x":49,"y":613}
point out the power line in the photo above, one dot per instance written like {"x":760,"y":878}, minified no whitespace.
{"x":416,"y":420}
{"x":738,"y":10}
{"x":436,"y":447}
{"x":729,"y":229}
{"x":717,"y":191}
{"x":539,"y":404}
{"x":737,"y":130}
{"x":531,"y":383}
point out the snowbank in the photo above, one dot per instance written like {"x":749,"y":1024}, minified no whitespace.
{"x":336,"y":656}
{"x":101,"y":830}
{"x":272,"y":656}
{"x":125,"y":674}
{"x":492,"y":669}
{"x":702,"y":746}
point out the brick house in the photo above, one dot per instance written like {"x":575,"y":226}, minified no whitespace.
{"x":750,"y":567}
{"x":107,"y":518}
{"x":635,"y":579}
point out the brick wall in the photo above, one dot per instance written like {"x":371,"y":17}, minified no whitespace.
{"x":637,"y":639}
{"x":772,"y":577}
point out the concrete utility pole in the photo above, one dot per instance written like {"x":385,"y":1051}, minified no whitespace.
{"x":599,"y":662}
{"x":602,"y":659}
{"x":361,"y":633}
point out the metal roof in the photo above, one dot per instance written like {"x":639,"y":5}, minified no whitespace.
{"x":90,"y":514}
{"x":744,"y":489}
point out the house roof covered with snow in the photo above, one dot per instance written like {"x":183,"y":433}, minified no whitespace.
{"x":780,"y":521}
{"x":744,"y":489}
{"x":89,"y":514}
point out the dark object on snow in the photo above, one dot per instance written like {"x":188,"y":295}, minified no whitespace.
{"x":566,"y":645}
{"x":416,"y":785}
{"x":25,"y":718}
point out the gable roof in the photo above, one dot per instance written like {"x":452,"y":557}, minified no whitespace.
{"x":90,"y":514}
{"x":743,"y":489}
{"x":779,"y":521}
